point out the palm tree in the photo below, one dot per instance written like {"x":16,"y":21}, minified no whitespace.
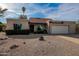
{"x":23,"y":10}
{"x":2,"y":11}
{"x":23,"y":15}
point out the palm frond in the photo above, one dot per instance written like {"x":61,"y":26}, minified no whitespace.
{"x":4,"y":10}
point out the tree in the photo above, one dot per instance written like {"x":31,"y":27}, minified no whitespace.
{"x":2,"y":26}
{"x":23,"y":10}
{"x":2,"y":11}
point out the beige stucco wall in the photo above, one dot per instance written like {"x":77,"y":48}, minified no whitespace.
{"x":10,"y":23}
{"x":71,"y":26}
{"x":25,"y":24}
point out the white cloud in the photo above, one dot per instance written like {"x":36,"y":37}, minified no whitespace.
{"x":66,"y":12}
{"x":15,"y":9}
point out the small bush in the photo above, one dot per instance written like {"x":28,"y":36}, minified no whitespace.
{"x":41,"y":38}
{"x":24,"y":42}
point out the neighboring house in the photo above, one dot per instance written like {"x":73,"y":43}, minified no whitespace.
{"x":62,"y":27}
{"x":17,"y":26}
{"x":39,"y":25}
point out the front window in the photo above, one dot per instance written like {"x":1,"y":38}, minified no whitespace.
{"x":17,"y":26}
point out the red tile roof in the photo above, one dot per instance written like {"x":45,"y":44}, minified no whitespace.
{"x":39,"y":20}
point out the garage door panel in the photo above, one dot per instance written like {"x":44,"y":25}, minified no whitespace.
{"x":59,"y":30}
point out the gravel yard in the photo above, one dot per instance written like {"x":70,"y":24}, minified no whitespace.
{"x":30,"y":45}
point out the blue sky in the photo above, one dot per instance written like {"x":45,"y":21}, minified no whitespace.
{"x":54,"y":11}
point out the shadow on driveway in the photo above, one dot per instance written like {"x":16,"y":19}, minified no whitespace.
{"x":30,"y":36}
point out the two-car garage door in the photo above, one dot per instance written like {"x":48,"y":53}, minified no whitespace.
{"x":59,"y":29}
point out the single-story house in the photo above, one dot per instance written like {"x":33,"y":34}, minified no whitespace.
{"x":17,"y":26}
{"x":39,"y":25}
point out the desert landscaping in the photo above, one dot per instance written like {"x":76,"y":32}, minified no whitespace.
{"x":30,"y":45}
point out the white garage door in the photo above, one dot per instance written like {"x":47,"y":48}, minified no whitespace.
{"x":59,"y":30}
